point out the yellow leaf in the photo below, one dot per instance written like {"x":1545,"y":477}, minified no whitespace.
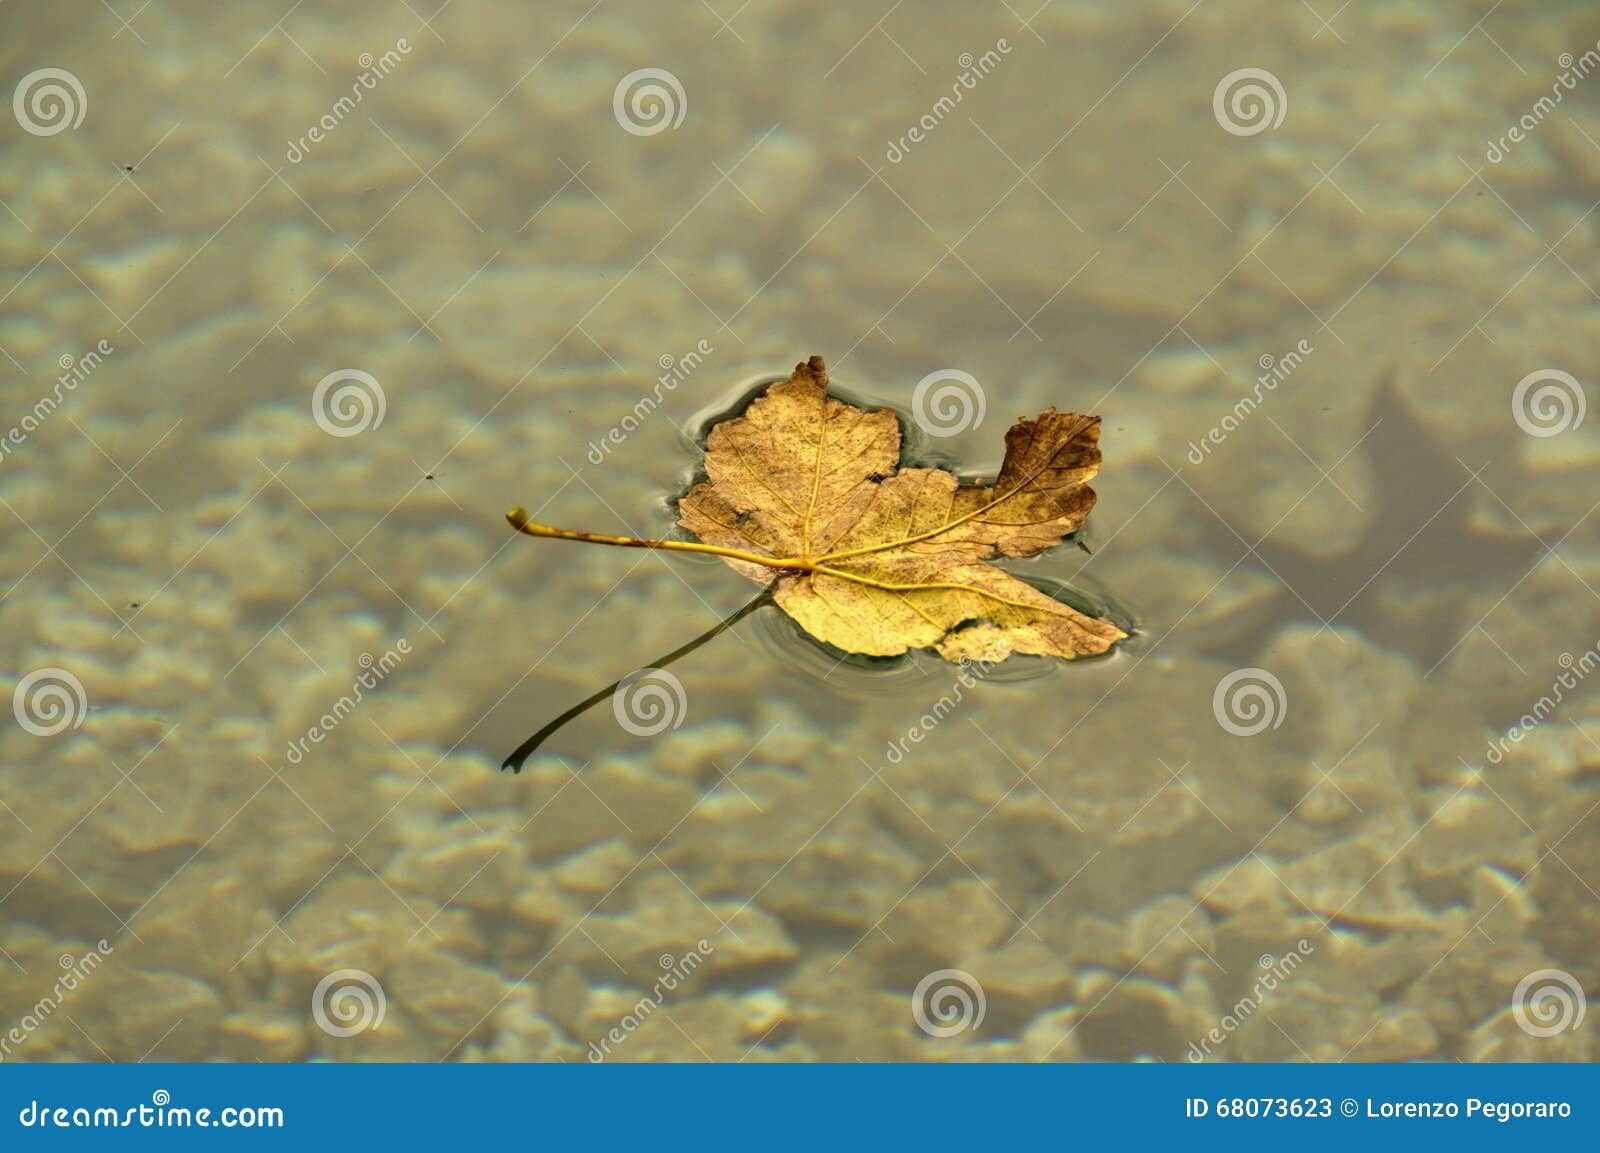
{"x":805,"y":491}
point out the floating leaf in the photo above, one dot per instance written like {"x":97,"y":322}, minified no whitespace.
{"x":806,"y":494}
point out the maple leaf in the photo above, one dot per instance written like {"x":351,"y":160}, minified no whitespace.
{"x":806,"y":493}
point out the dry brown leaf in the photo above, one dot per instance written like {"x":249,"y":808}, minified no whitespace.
{"x":876,"y":559}
{"x":805,"y":492}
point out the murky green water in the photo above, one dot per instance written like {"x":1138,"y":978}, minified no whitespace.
{"x":296,"y":304}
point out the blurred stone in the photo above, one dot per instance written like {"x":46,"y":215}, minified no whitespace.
{"x":1093,"y":943}
{"x":1469,"y":983}
{"x":1302,"y":1020}
{"x":1254,"y":882}
{"x":847,"y":876}
{"x":207,"y":922}
{"x":1500,"y":1038}
{"x":1359,"y":880}
{"x":1122,"y":1018}
{"x":539,"y":903}
{"x":765,"y":1010}
{"x":1468,"y":829}
{"x":664,"y":933}
{"x":1164,"y":933}
{"x":358,"y":922}
{"x":935,"y":925}
{"x":1020,"y":980}
{"x":258,"y":1035}
{"x":450,"y":998}
{"x":137,"y":1014}
{"x":1050,"y":1037}
{"x":397,"y":1038}
{"x":841,"y":1013}
{"x":522,"y":1034}
{"x":1401,"y":1035}
{"x":564,"y":997}
{"x":472,"y":864}
{"x":598,"y":870}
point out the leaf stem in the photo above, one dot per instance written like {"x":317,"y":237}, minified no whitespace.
{"x":518,"y":519}
{"x":526,"y":749}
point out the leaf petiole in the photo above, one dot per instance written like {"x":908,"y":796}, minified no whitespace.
{"x":518,"y":519}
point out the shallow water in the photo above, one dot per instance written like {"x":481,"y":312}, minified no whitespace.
{"x":270,"y":391}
